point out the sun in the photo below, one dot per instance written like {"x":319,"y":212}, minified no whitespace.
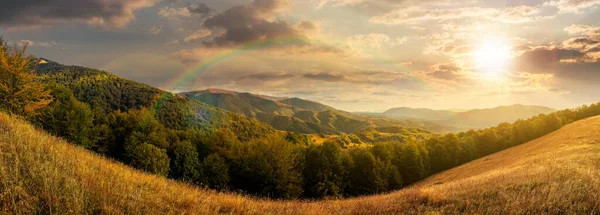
{"x":492,"y":55}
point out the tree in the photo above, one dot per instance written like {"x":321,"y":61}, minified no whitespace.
{"x":269,"y":166}
{"x":151,"y":159}
{"x":67,"y":117}
{"x":324,"y":171}
{"x":552,"y":123}
{"x":184,"y":161}
{"x":215,"y":172}
{"x":19,"y":92}
{"x":410,"y":162}
{"x":366,"y":173}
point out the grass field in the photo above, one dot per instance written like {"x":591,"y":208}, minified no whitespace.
{"x":556,"y":174}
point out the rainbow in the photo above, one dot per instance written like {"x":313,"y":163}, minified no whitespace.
{"x":228,"y":53}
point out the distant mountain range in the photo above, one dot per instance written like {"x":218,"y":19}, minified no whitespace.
{"x":478,"y":118}
{"x":299,"y":115}
{"x":304,"y":116}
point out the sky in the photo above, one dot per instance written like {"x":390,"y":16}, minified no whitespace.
{"x":355,"y":55}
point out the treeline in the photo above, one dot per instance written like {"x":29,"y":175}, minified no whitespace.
{"x":154,"y":132}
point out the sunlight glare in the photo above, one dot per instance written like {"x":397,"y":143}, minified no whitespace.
{"x":492,"y":56}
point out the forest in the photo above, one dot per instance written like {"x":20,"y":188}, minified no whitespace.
{"x":168,"y":135}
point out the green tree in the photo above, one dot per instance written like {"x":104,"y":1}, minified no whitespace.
{"x":67,"y":117}
{"x":151,"y":159}
{"x":215,"y":172}
{"x":410,"y":162}
{"x":366,"y":173}
{"x":324,"y":171}
{"x":184,"y":161}
{"x":20,"y":93}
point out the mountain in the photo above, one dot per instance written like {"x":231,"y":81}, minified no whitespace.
{"x":107,"y":92}
{"x":478,"y":118}
{"x":554,"y":174}
{"x":419,"y":113}
{"x":299,"y":115}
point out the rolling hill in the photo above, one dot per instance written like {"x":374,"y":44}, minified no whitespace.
{"x":299,"y":115}
{"x":555,"y":174}
{"x":107,"y":92}
{"x":471,"y":119}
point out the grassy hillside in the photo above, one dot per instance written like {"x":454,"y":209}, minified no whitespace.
{"x":556,"y":174}
{"x":299,"y":115}
{"x":471,"y":119}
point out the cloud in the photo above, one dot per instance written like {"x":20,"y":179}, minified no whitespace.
{"x":202,"y":33}
{"x":250,"y":22}
{"x":34,"y":43}
{"x":380,"y":4}
{"x":190,"y":10}
{"x":547,"y":59}
{"x":415,"y":15}
{"x":109,"y":14}
{"x":577,"y":29}
{"x":307,"y":27}
{"x":326,"y":76}
{"x":277,"y":75}
{"x":199,"y":8}
{"x":175,"y":13}
{"x":374,"y":41}
{"x":156,"y":29}
{"x":447,"y":71}
{"x":573,"y":6}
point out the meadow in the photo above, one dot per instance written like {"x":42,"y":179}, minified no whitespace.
{"x":555,"y":174}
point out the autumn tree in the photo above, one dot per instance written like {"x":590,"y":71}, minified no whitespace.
{"x":19,"y":92}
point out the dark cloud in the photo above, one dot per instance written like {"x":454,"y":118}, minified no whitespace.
{"x":267,"y":76}
{"x":546,"y":60}
{"x":35,"y":13}
{"x":326,"y":76}
{"x":447,"y":71}
{"x":250,"y":22}
{"x":199,"y":8}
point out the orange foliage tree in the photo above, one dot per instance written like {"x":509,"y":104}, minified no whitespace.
{"x":19,"y":92}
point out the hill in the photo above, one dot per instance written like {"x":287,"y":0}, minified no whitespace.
{"x":299,"y":115}
{"x":471,"y":119}
{"x":107,"y":93}
{"x":557,"y":173}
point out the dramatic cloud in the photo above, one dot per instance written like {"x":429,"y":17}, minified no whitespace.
{"x":109,"y":14}
{"x":250,"y":22}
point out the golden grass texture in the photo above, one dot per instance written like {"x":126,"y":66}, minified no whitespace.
{"x":556,"y":174}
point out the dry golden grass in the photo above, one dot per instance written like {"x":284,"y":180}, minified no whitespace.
{"x":556,"y":174}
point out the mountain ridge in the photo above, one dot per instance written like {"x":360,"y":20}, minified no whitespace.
{"x":299,"y":115}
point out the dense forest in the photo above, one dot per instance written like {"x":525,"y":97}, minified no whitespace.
{"x":165,"y":134}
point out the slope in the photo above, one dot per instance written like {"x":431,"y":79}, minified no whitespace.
{"x":557,"y":173}
{"x":299,"y":115}
{"x":108,"y":92}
